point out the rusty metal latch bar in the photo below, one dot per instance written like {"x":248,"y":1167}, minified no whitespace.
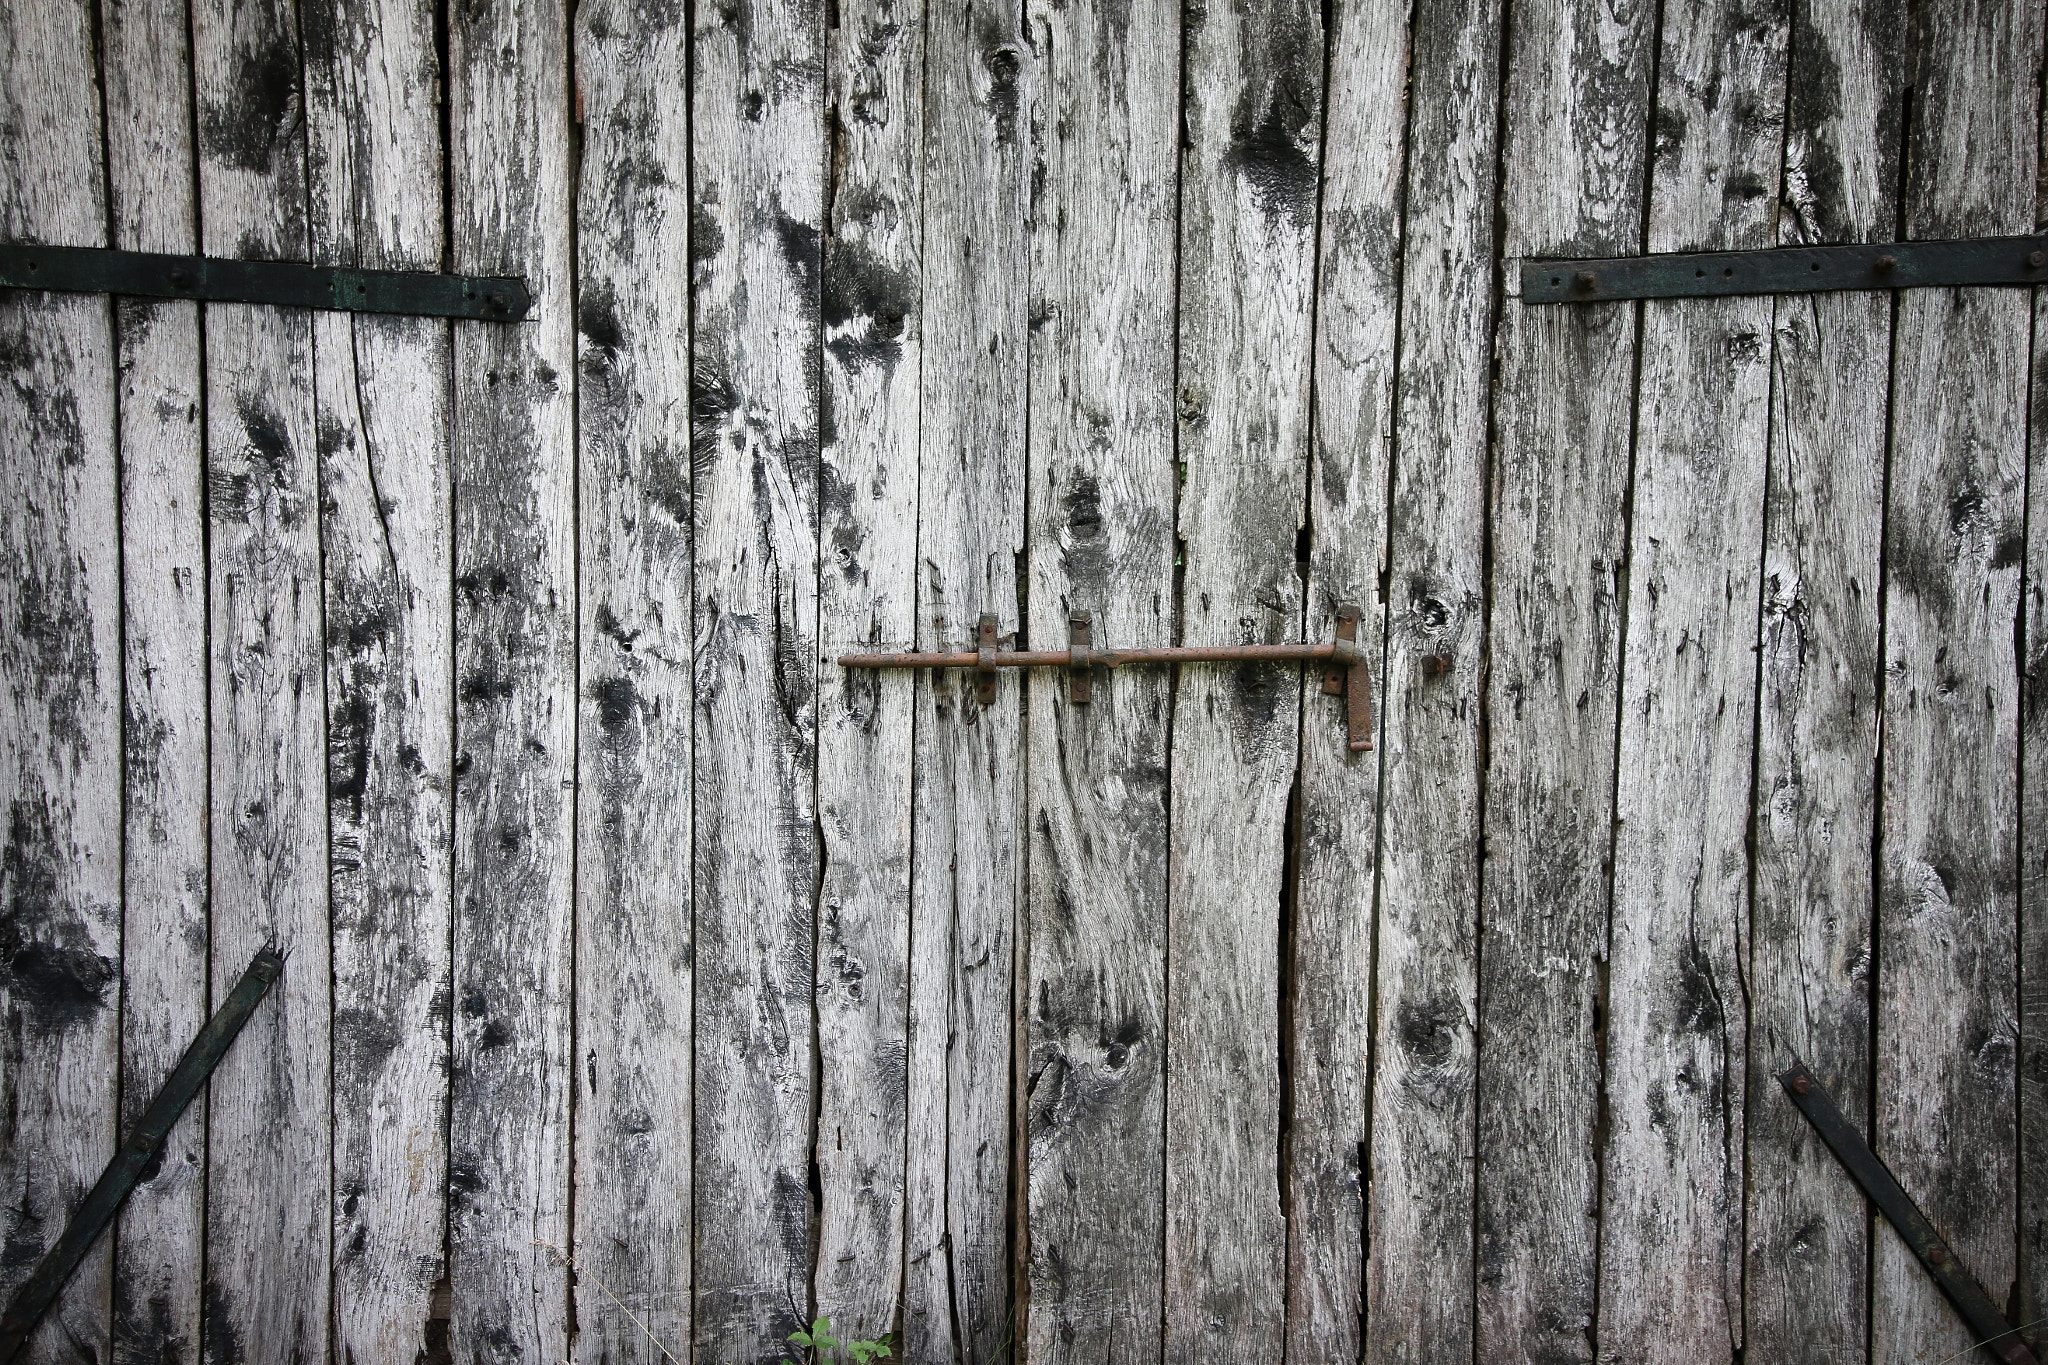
{"x":1992,"y":1331}
{"x":1346,"y":668}
{"x":287,"y":284}
{"x":1788,"y":270}
{"x":40,"y":1290}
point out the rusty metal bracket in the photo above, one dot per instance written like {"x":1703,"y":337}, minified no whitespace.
{"x":1346,"y":666}
{"x":985,"y":661}
{"x":1994,"y":1334}
{"x":40,"y":1289}
{"x":1080,"y":680}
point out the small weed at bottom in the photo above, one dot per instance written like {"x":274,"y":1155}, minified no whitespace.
{"x":814,"y":1344}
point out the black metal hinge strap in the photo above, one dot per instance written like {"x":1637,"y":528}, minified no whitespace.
{"x":288,"y":284}
{"x":39,"y":1291}
{"x":1788,"y":270}
{"x":1993,"y":1332}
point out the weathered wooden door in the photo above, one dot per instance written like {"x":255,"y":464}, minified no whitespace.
{"x":487,"y":668}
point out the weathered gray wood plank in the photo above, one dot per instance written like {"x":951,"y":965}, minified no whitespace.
{"x":1671,"y":1209}
{"x":1419,"y":1285}
{"x":2031,"y":1289}
{"x":381,"y":412}
{"x":268,"y":1188}
{"x":159,"y":1237}
{"x":967,"y":871}
{"x":515,"y":676}
{"x":1100,"y":539}
{"x":634,"y":1205}
{"x":757,"y":130}
{"x":1576,"y":105}
{"x":1251,"y":120}
{"x":1328,"y":1027}
{"x":867,"y":597}
{"x":1945,"y":1083}
{"x":60,"y":680}
{"x":1816,"y":800}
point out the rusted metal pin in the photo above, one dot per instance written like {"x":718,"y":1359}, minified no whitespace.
{"x":1348,"y":669}
{"x":1106,"y":658}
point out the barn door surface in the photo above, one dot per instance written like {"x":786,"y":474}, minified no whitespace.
{"x":655,"y":985}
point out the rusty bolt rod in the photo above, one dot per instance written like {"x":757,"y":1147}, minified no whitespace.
{"x":1109,"y":658}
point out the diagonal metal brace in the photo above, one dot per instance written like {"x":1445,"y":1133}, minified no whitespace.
{"x":1994,"y":1334}
{"x":40,"y":1290}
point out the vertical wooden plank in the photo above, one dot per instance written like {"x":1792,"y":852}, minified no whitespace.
{"x":2031,"y":1289}
{"x":515,"y":672}
{"x":867,"y":517}
{"x":381,"y":412}
{"x":1100,"y":538}
{"x":1576,"y":105}
{"x":1328,"y":1030}
{"x":967,"y":766}
{"x":1419,"y":1285}
{"x":60,"y":659}
{"x":2030,"y":1298}
{"x":267,"y":1208}
{"x":1672,"y":1178}
{"x":1816,"y":801}
{"x":1954,"y":538}
{"x":1251,"y":119}
{"x":757,"y":112}
{"x":634,"y":1209}
{"x":158,"y":1240}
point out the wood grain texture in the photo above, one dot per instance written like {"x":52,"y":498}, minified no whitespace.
{"x":268,"y":1187}
{"x":1671,"y":1209}
{"x":967,"y":889}
{"x":1575,"y":107}
{"x":757,"y":133}
{"x":1815,"y":801}
{"x":515,"y":679}
{"x":1251,"y":114}
{"x":867,"y":598}
{"x":160,"y":1234}
{"x":634,"y":1004}
{"x":373,"y":85}
{"x":1327,"y":1031}
{"x":1100,"y":538}
{"x":60,"y":682}
{"x":1947,"y":906}
{"x":1419,"y":1285}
